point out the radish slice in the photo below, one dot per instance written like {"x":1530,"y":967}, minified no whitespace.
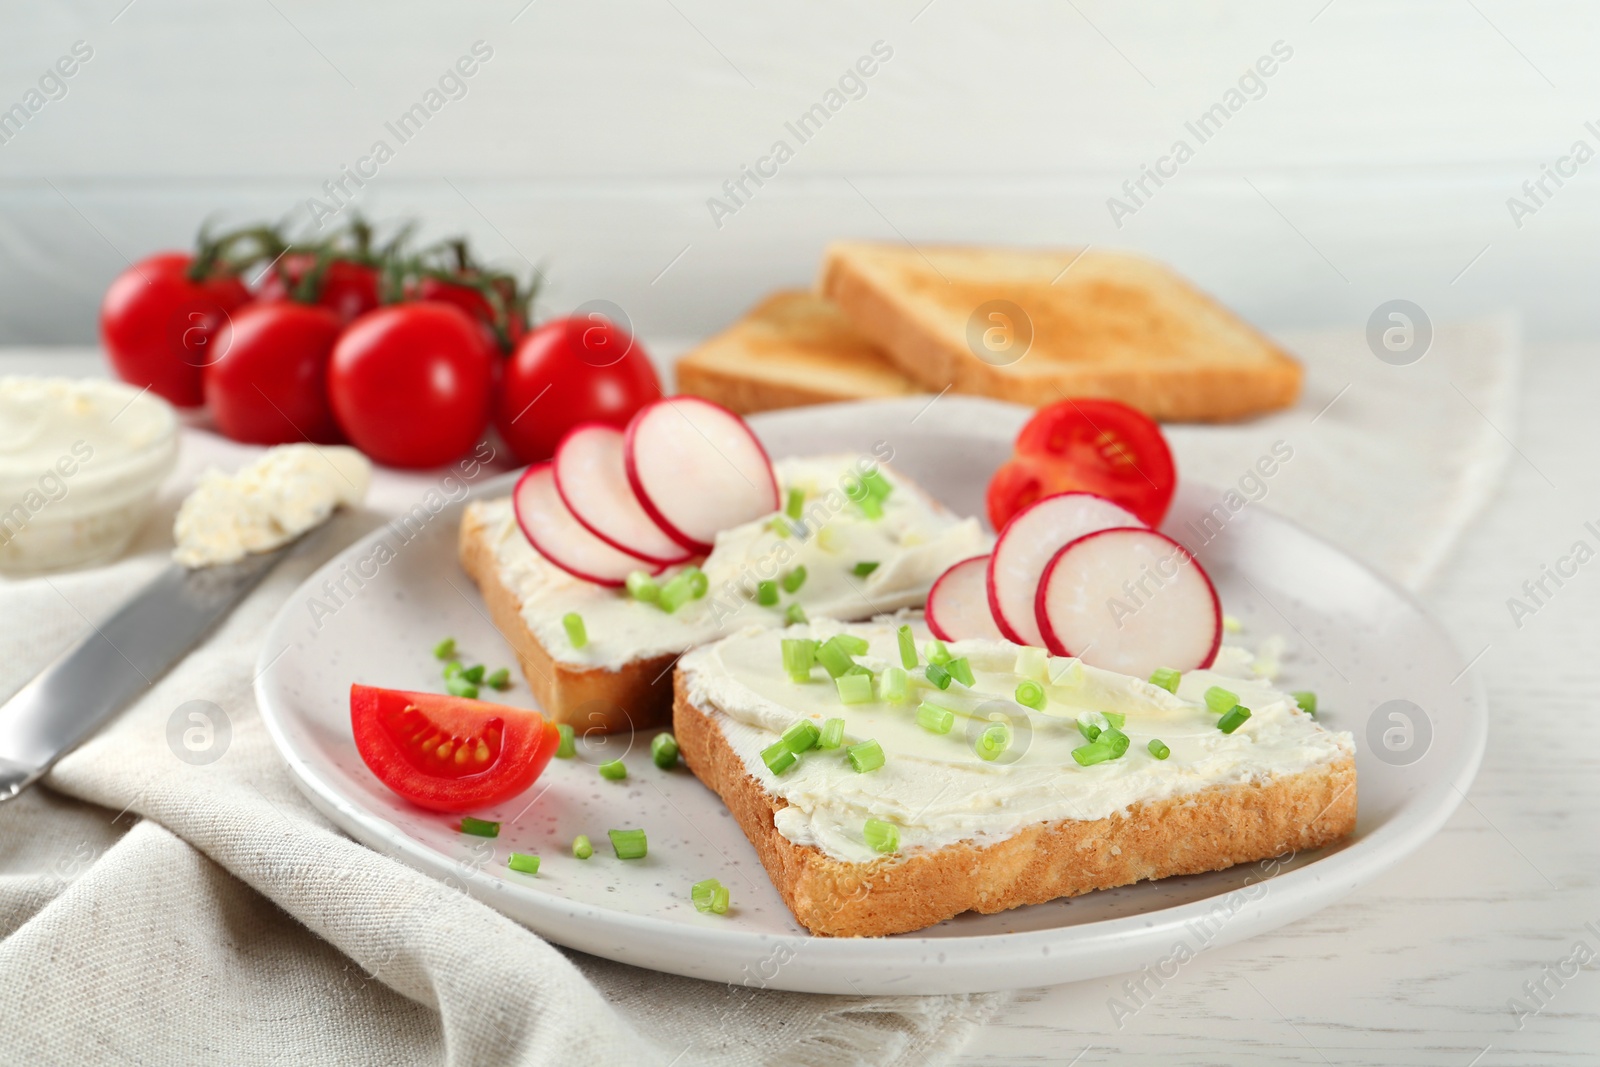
{"x":593,"y":482}
{"x":1024,"y":549}
{"x":1129,"y":601}
{"x":958,"y":603}
{"x":697,"y":469}
{"x":561,"y":539}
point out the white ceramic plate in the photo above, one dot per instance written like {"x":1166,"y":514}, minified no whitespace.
{"x":1358,"y":641}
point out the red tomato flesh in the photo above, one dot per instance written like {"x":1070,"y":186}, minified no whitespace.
{"x":448,"y":753}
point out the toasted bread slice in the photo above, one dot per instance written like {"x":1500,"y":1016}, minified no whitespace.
{"x":1102,"y":324}
{"x":793,"y":348}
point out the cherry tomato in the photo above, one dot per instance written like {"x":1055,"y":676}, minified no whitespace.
{"x":570,"y":371}
{"x":159,"y":326}
{"x":1101,"y":446}
{"x":270,"y":385}
{"x":474,"y":303}
{"x":349,"y":289}
{"x":449,"y":753}
{"x":410,"y":384}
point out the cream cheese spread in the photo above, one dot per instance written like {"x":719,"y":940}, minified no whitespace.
{"x":911,"y":544}
{"x":269,"y":503}
{"x":936,"y":788}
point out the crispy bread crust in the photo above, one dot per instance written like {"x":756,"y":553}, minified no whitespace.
{"x":636,"y":697}
{"x":1208,"y":831}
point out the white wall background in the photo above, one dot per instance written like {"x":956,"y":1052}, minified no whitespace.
{"x":1376,"y":165}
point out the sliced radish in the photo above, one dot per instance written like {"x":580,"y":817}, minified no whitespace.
{"x":697,"y":469}
{"x":958,"y":603}
{"x":561,"y":539}
{"x":593,"y":482}
{"x":1024,"y":549}
{"x":1129,"y":601}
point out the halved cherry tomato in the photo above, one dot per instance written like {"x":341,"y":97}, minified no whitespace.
{"x":1100,"y":446}
{"x":449,"y":753}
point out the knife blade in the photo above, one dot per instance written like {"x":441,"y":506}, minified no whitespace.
{"x":117,"y":660}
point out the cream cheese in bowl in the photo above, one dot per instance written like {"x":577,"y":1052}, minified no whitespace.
{"x":80,"y":462}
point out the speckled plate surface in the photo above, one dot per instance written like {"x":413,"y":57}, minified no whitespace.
{"x":1383,"y":670}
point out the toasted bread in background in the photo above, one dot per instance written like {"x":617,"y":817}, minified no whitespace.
{"x":793,"y":348}
{"x":1103,"y":324}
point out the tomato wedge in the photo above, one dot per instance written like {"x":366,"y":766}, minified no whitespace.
{"x":449,"y":753}
{"x":1098,"y":446}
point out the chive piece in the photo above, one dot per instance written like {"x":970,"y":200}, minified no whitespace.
{"x":479,"y":827}
{"x":777,"y":757}
{"x":856,"y":646}
{"x":779,"y":525}
{"x":908,"y":648}
{"x":877,"y":485}
{"x":452,"y":669}
{"x":664,"y":751}
{"x":794,"y":614}
{"x":678,"y":591}
{"x":937,"y":675}
{"x":936,"y":652}
{"x":445,"y":649}
{"x":1307,"y":701}
{"x":854,"y":688}
{"x":801,"y":736}
{"x":719,"y":900}
{"x":500,"y":679}
{"x":1089,"y":730}
{"x":834,"y":659}
{"x":568,"y":745}
{"x":799,"y":656}
{"x":794,"y":507}
{"x":710,"y":897}
{"x":1116,"y":718}
{"x":856,"y":668}
{"x":871,"y":507}
{"x":864,"y":568}
{"x":1116,"y":740}
{"x":641,"y":586}
{"x":867,"y":756}
{"x":473,"y":674}
{"x":523,"y":864}
{"x":895,"y":685}
{"x":699,"y":584}
{"x":961,"y":671}
{"x":767,"y":594}
{"x":581,"y":847}
{"x":995,"y":739}
{"x":1157,"y":749}
{"x":1030,"y":695}
{"x":1092,"y":753}
{"x":881,"y":836}
{"x":1033,"y":664}
{"x":933,"y":718}
{"x":794,"y":579}
{"x":460,"y":687}
{"x":1166,"y":678}
{"x":1233,"y":719}
{"x":629,"y":844}
{"x":1219,"y":700}
{"x":613,"y":770}
{"x":832,"y":734}
{"x":572,"y":622}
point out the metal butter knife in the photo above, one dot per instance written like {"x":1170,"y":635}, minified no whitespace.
{"x":116,"y":661}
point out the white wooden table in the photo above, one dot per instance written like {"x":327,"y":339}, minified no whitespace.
{"x":1420,"y":967}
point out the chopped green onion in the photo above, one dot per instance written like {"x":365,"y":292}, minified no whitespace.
{"x":1033,"y":663}
{"x":834,"y":659}
{"x":881,"y":836}
{"x":828,"y":540}
{"x":445,"y":649}
{"x":935,"y":719}
{"x":960,"y":670}
{"x":1092,"y":753}
{"x":801,"y":736}
{"x":854,"y":688}
{"x":877,"y":485}
{"x":710,"y":897}
{"x":794,"y":614}
{"x":523,"y":864}
{"x":779,"y":525}
{"x":794,"y":579}
{"x":572,"y":622}
{"x":794,"y":507}
{"x":856,"y":646}
{"x":1030,"y":695}
{"x":567,"y":747}
{"x":479,"y":827}
{"x":856,"y":668}
{"x":500,"y":679}
{"x":832,"y":734}
{"x":1116,"y":718}
{"x":1066,"y":671}
{"x":699,"y":584}
{"x":678,"y":591}
{"x":473,"y":674}
{"x":799,"y":656}
{"x":937,"y":675}
{"x":777,"y":757}
{"x":864,"y":568}
{"x":1089,"y":730}
{"x":1220,"y":700}
{"x":908,"y":648}
{"x":643,"y":587}
{"x":895,"y":685}
{"x":1233,"y":719}
{"x":1157,"y":749}
{"x":936,"y":652}
{"x":581,"y":847}
{"x":1307,"y":701}
{"x":767,"y":593}
{"x":452,"y":669}
{"x":629,"y":844}
{"x":1166,"y":678}
{"x":664,"y":751}
{"x":1116,"y":740}
{"x":871,"y":507}
{"x":613,"y":770}
{"x":1231,"y":624}
{"x":867,"y":756}
{"x":460,"y":687}
{"x":995,"y":739}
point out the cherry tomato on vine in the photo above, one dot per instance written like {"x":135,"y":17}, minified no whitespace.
{"x":270,"y":385}
{"x":474,"y":303}
{"x":159,"y":326}
{"x":349,"y":289}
